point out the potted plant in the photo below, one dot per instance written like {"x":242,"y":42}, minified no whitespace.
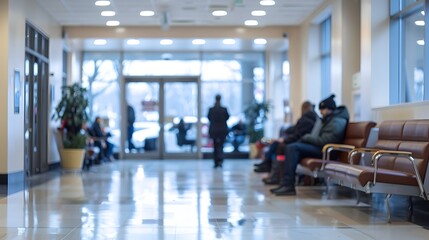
{"x":71,"y":111}
{"x":256,"y":115}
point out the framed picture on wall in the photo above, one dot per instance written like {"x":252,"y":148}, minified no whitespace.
{"x":17,"y":90}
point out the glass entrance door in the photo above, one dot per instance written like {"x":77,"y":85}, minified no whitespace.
{"x":180,"y":117}
{"x":161,"y":117}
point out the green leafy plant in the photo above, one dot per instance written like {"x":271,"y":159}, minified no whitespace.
{"x":72,"y":113}
{"x":256,"y":115}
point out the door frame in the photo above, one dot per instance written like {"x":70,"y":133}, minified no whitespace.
{"x":160,"y":153}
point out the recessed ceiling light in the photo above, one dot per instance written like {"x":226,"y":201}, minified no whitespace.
{"x":421,"y":42}
{"x":147,"y":13}
{"x":419,"y":23}
{"x":198,"y":41}
{"x":219,"y":13}
{"x":267,"y":2}
{"x":258,"y":13}
{"x":108,"y":13}
{"x":133,"y":42}
{"x":100,"y":42}
{"x":260,"y":41}
{"x":423,"y":13}
{"x":112,"y":23}
{"x":228,"y":41}
{"x":166,"y":42}
{"x":102,"y":3}
{"x":251,"y":23}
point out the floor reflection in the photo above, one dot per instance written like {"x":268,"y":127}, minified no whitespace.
{"x":188,"y":199}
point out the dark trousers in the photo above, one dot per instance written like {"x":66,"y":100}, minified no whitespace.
{"x":270,"y":155}
{"x":130,"y":131}
{"x":218,"y":150}
{"x":294,"y":153}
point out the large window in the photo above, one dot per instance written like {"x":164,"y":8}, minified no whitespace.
{"x":238,"y":76}
{"x":325,"y":50}
{"x":100,"y":75}
{"x":407,"y":62}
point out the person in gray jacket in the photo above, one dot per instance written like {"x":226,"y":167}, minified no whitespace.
{"x":334,"y":123}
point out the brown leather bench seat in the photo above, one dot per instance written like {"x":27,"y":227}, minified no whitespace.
{"x":399,"y":163}
{"x":361,"y":175}
{"x":356,"y":136}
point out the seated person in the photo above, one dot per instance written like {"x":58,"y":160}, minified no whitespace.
{"x":100,"y":140}
{"x":292,"y":134}
{"x":333,"y":128}
{"x":182,"y":131}
{"x":238,"y":134}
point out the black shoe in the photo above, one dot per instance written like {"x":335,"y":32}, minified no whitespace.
{"x":259,"y":164}
{"x":262,"y":169}
{"x":270,"y":181}
{"x":275,"y":189}
{"x":285,"y":191}
{"x":217,"y":165}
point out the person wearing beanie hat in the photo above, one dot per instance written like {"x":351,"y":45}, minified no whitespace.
{"x":334,"y":123}
{"x":328,"y":103}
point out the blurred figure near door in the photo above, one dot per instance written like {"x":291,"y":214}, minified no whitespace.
{"x":218,"y":130}
{"x":131,"y":118}
{"x":238,"y":134}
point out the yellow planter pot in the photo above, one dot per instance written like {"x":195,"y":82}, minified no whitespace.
{"x":253,"y":151}
{"x":72,"y":159}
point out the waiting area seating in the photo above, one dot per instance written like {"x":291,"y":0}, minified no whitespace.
{"x":399,"y":163}
{"x":356,"y":137}
{"x":398,"y":160}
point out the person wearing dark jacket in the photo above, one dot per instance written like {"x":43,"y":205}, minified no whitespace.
{"x":334,"y":123}
{"x":106,"y":148}
{"x":303,"y":126}
{"x":218,"y":130}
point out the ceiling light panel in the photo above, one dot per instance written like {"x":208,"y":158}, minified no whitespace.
{"x":260,"y":41}
{"x":108,"y":13}
{"x":133,"y":42}
{"x":166,"y":42}
{"x":251,"y":23}
{"x":100,"y":42}
{"x":198,"y":41}
{"x":112,"y":23}
{"x":267,"y":3}
{"x":219,"y":13}
{"x":258,"y":13}
{"x":147,"y":13}
{"x":102,"y":3}
{"x":228,"y":41}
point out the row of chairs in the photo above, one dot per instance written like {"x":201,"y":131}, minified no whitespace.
{"x":398,"y":159}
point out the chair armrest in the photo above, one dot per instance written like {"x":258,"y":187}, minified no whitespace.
{"x":404,"y":154}
{"x":328,"y":148}
{"x":361,"y":151}
{"x":337,"y":147}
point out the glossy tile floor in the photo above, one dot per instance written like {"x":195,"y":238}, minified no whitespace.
{"x":187,"y":199}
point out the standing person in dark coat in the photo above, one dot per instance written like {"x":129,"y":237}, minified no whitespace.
{"x":218,"y":130}
{"x":131,"y":118}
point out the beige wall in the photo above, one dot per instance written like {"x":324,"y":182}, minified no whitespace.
{"x":4,"y":76}
{"x":345,"y":52}
{"x":21,"y":11}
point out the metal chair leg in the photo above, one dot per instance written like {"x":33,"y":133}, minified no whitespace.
{"x":388,"y":208}
{"x":410,"y":208}
{"x":357,"y":197}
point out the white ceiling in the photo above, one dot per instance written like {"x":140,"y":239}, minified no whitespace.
{"x":179,"y":13}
